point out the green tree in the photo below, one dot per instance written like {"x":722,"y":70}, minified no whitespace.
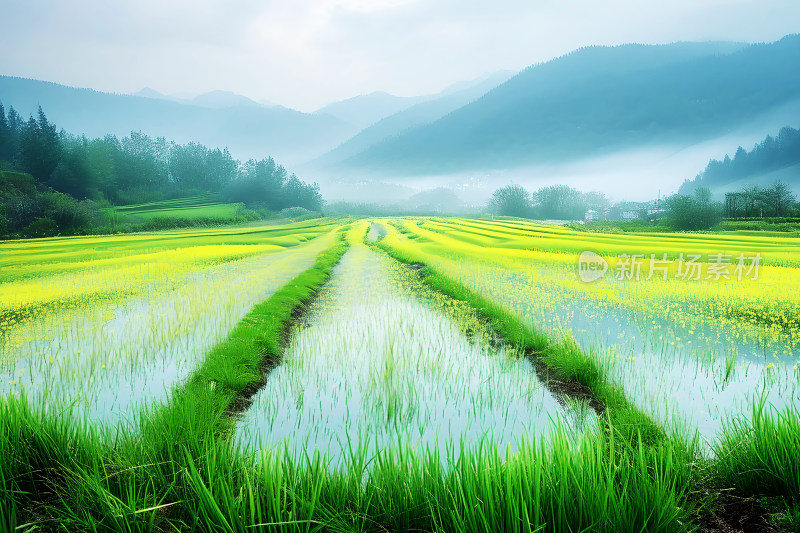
{"x":5,"y":136}
{"x":194,"y":166}
{"x":142,"y":168}
{"x":780,"y":197}
{"x":15,"y":126}
{"x":72,"y":175}
{"x":40,"y":147}
{"x":695,"y":212}
{"x":596,"y":200}
{"x":101,"y":155}
{"x":299,"y":194}
{"x":561,"y":202}
{"x":511,"y":200}
{"x":262,"y":182}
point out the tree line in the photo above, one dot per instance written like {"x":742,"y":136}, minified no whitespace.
{"x":136,"y":169}
{"x":753,"y":201}
{"x":562,"y":202}
{"x":699,"y":212}
{"x":552,"y":202}
{"x":683,"y":212}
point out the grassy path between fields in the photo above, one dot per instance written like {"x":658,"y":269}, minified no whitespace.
{"x":563,"y":365}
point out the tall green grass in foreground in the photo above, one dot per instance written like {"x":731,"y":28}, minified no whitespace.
{"x":598,"y":486}
{"x":761,"y":455}
{"x":758,"y":457}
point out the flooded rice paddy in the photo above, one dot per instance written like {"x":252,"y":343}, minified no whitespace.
{"x":690,"y":374}
{"x":104,"y":361}
{"x":379,"y":365}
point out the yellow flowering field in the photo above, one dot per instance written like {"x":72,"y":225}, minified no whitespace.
{"x":100,"y":325}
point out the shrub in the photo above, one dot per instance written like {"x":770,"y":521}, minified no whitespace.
{"x":41,"y":227}
{"x":696,"y":212}
{"x":291,"y":212}
{"x":68,"y":214}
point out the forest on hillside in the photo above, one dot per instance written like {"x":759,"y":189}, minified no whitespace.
{"x":773,"y":153}
{"x":77,"y":175}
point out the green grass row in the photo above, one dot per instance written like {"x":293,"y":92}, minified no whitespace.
{"x":565,"y":358}
{"x":206,"y":485}
{"x":186,"y":201}
{"x":163,"y":218}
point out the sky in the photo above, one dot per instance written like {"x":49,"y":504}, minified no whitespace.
{"x":306,"y":53}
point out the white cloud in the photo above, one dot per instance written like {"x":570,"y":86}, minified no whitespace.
{"x":305,"y":53}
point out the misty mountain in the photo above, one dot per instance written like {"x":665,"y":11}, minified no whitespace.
{"x":223,"y":99}
{"x":449,"y":100}
{"x":595,"y":101}
{"x":366,"y":109}
{"x":212,"y":99}
{"x":147,"y":92}
{"x":247,"y":130}
{"x":775,"y":158}
{"x":438,"y":200}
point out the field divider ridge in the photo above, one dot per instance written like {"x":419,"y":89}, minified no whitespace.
{"x":234,"y":370}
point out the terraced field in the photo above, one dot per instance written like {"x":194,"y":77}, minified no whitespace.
{"x":400,"y":375}
{"x":203,"y":209}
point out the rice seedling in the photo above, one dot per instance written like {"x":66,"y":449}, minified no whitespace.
{"x":757,"y":454}
{"x":375,"y":366}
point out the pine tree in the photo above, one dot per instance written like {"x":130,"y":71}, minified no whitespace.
{"x":5,"y":135}
{"x":40,"y":147}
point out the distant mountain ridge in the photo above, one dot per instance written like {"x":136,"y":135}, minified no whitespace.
{"x":424,"y":112}
{"x":226,"y":119}
{"x":247,"y":130}
{"x":594,"y":101}
{"x":368,"y":109}
{"x":213,"y":99}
